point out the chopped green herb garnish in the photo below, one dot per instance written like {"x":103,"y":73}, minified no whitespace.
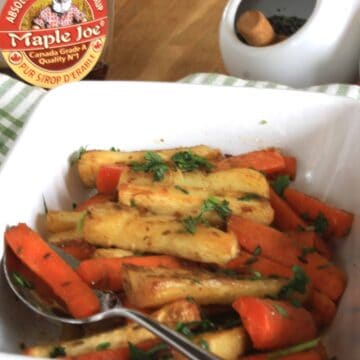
{"x":188,"y":161}
{"x":211,"y":204}
{"x":190,"y":328}
{"x":321,"y":224}
{"x":80,"y":223}
{"x":280,"y":310}
{"x":228,"y":272}
{"x":21,"y":281}
{"x":177,"y":187}
{"x":114,"y":149}
{"x":204,"y":344}
{"x":184,"y":329}
{"x":190,"y":223}
{"x":257,"y":275}
{"x":74,"y":205}
{"x":103,"y":346}
{"x":249,"y":197}
{"x":138,"y":354}
{"x":153,"y":164}
{"x":297,"y":283}
{"x":263,"y":122}
{"x":293,"y":349}
{"x":305,"y":216}
{"x":295,"y":302}
{"x":132,"y":203}
{"x":305,"y":252}
{"x":57,"y":351}
{"x":220,"y":207}
{"x":257,"y":251}
{"x":280,"y":184}
{"x":76,"y":155}
{"x":156,"y":348}
{"x":190,"y":299}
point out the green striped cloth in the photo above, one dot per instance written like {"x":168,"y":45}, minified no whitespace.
{"x":17,"y":99}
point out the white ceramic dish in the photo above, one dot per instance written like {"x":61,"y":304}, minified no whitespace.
{"x":322,"y":131}
{"x":325,"y":50}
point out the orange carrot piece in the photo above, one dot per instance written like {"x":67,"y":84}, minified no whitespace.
{"x":325,"y":276}
{"x":269,"y":161}
{"x":290,"y":168}
{"x":114,"y":354}
{"x":323,"y":309}
{"x":274,"y":244}
{"x":246,"y":263}
{"x":309,"y":239}
{"x":339,"y":221}
{"x":108,"y":178}
{"x":94,"y":200}
{"x":285,"y":218}
{"x":79,"y":249}
{"x":105,"y":273}
{"x":33,"y":251}
{"x":274,"y":324}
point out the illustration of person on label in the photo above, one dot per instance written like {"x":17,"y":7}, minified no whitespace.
{"x":59,"y":13}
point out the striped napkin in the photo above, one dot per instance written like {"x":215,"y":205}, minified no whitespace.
{"x":17,"y":100}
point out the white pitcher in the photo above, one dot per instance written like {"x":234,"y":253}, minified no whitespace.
{"x":325,"y":50}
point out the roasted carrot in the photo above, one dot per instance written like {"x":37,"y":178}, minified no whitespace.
{"x":325,"y":276}
{"x":309,"y":239}
{"x":323,"y":309}
{"x":114,"y":354}
{"x":108,"y":177}
{"x":339,"y":221}
{"x":281,"y":248}
{"x":247,"y":263}
{"x":32,"y":250}
{"x":79,"y":249}
{"x":290,"y":168}
{"x":285,"y":218}
{"x":106,"y":274}
{"x":96,"y":199}
{"x":274,"y":244}
{"x":268,"y":161}
{"x":274,"y":324}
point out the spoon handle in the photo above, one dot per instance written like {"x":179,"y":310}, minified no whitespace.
{"x":171,"y":337}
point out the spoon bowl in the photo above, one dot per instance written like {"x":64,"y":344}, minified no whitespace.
{"x":110,"y":308}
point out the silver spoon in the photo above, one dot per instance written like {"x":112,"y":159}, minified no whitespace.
{"x":110,"y":308}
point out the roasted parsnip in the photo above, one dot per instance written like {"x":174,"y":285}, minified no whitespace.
{"x":183,"y":202}
{"x":236,"y":181}
{"x":90,"y":161}
{"x":152,"y":287}
{"x":227,"y":344}
{"x":127,"y":229}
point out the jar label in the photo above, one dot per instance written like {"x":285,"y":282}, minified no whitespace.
{"x":51,"y":42}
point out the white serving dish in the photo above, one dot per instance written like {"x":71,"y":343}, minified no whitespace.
{"x":325,"y":50}
{"x":320,"y":130}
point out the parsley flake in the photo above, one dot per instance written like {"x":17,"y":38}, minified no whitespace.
{"x":21,"y":281}
{"x":177,"y":187}
{"x":263,"y":122}
{"x":76,"y":155}
{"x":57,"y":351}
{"x":256,"y":275}
{"x":251,"y":260}
{"x":187,"y":161}
{"x":305,"y":252}
{"x":204,"y":344}
{"x":321,"y":224}
{"x":280,"y":310}
{"x":257,"y":251}
{"x":137,"y":354}
{"x":280,"y":184}
{"x":249,"y":197}
{"x":211,"y":204}
{"x":103,"y":346}
{"x":297,"y":283}
{"x":154,"y":164}
{"x":80,"y":223}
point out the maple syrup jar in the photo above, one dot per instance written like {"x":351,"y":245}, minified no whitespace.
{"x":52,"y":42}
